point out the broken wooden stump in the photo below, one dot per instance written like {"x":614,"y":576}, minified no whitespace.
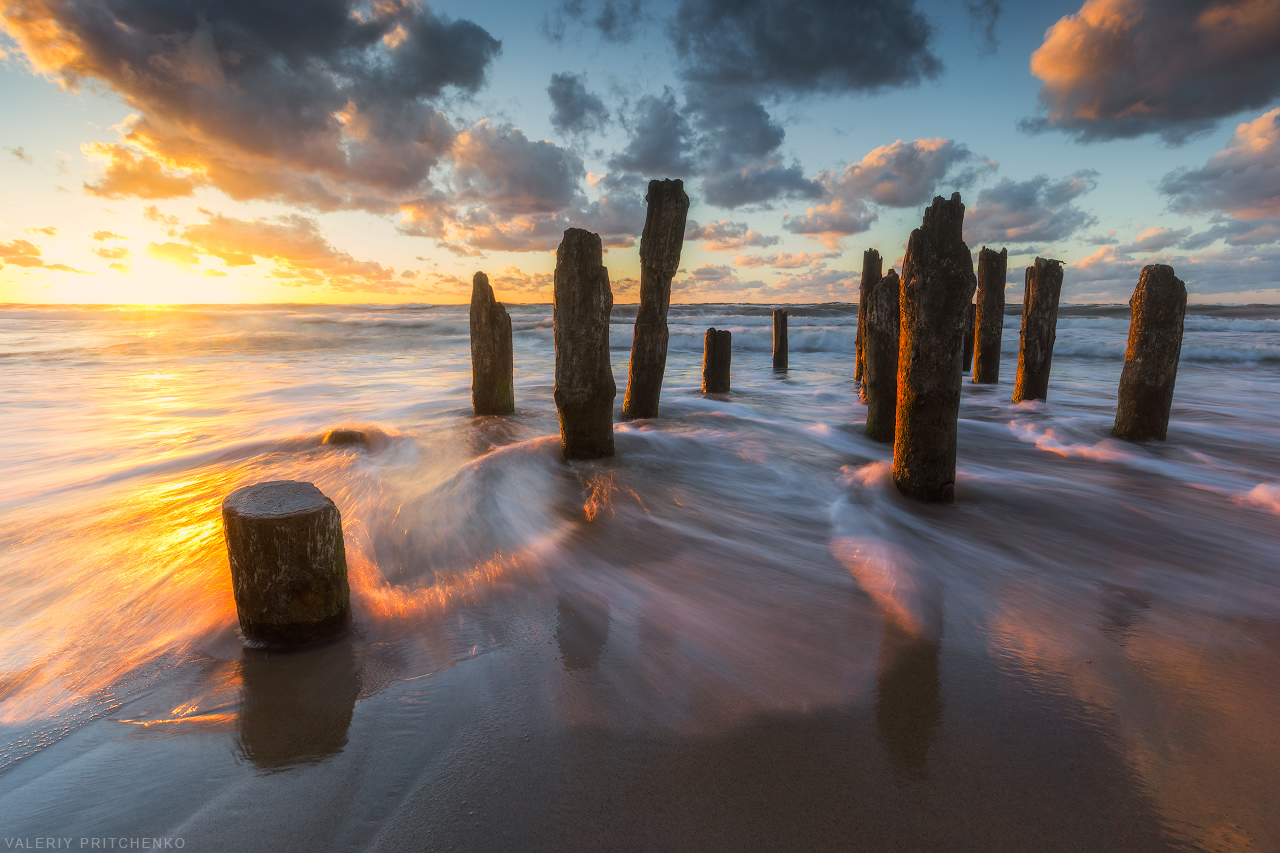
{"x":871,"y":266}
{"x":1039,"y":330}
{"x":937,"y":286}
{"x":288,"y":563}
{"x":1158,"y":306}
{"x":880,"y":357}
{"x":492,"y":372}
{"x":660,"y":246}
{"x":989,"y":316}
{"x":779,"y":339}
{"x":717,"y":354}
{"x":584,"y":389}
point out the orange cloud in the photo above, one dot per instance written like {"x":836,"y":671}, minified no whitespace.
{"x":174,"y":253}
{"x":112,"y":253}
{"x":131,"y":172}
{"x":107,"y":235}
{"x":24,"y":253}
{"x":785,"y":260}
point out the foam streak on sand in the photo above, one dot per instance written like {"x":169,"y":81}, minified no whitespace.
{"x":733,"y":634}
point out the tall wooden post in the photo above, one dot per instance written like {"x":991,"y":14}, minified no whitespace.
{"x":880,"y":353}
{"x":584,"y":389}
{"x":989,"y":318}
{"x":492,"y":372}
{"x":871,"y":266}
{"x":1039,"y":330}
{"x":1159,"y":306}
{"x":717,"y":355}
{"x":779,"y":339}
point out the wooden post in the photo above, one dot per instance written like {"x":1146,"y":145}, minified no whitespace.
{"x":880,"y":357}
{"x":937,"y":287}
{"x":871,"y":266}
{"x":779,"y":339}
{"x":1159,"y":305}
{"x":1039,"y":330}
{"x":660,"y":246}
{"x":989,"y":318}
{"x":584,"y":389}
{"x":717,"y":354}
{"x":970,"y":325}
{"x":288,"y":563}
{"x":492,"y":371}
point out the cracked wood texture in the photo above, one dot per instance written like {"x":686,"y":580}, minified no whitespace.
{"x":989,"y":315}
{"x":660,"y":246}
{"x":880,"y":357}
{"x":1039,"y":330}
{"x":970,"y":326}
{"x":779,"y":339}
{"x":1158,"y":307}
{"x":492,"y":372}
{"x":584,"y":389}
{"x":871,"y":266}
{"x":288,"y":563}
{"x":937,"y":286}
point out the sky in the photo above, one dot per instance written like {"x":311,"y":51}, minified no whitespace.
{"x":177,"y":151}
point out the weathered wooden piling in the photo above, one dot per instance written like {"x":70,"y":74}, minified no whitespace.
{"x":717,"y":354}
{"x":779,"y":339}
{"x":1159,"y":305}
{"x":660,"y":246}
{"x":871,"y":266}
{"x":989,"y":317}
{"x":937,"y":286}
{"x":584,"y":389}
{"x":970,"y":326}
{"x":1039,"y":330}
{"x":493,"y":390}
{"x":288,"y":563}
{"x":880,"y":357}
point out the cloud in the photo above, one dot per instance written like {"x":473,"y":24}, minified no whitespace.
{"x":714,"y":282}
{"x":130,"y":172}
{"x":1038,"y":210}
{"x":1236,"y":232}
{"x":1155,"y":239}
{"x":107,"y":235}
{"x":819,"y":285}
{"x":821,"y":46}
{"x":724,"y":235}
{"x":1111,"y":273}
{"x":661,"y":139}
{"x":48,"y":231}
{"x":1243,"y":179}
{"x":174,"y":253}
{"x":1125,"y":68}
{"x":21,"y":154}
{"x":574,"y":110}
{"x":24,"y":253}
{"x":615,"y":20}
{"x":786,"y":260}
{"x":112,"y":253}
{"x":902,"y":174}
{"x":983,"y":17}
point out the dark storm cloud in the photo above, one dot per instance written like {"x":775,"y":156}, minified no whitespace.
{"x":1243,"y":179}
{"x":1124,"y":68}
{"x":780,"y":46}
{"x":574,"y":110}
{"x":661,"y":140}
{"x":1036,"y":210}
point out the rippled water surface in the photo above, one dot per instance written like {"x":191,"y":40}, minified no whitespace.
{"x":733,"y":635}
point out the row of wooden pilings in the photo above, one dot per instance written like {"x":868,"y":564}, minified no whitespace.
{"x":917,"y":335}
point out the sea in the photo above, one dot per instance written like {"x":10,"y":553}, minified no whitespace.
{"x":733,"y":634}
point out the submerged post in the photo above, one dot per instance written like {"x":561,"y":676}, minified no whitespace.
{"x":1159,"y":305}
{"x":989,"y":317}
{"x":871,"y":266}
{"x":1039,"y":330}
{"x":937,"y":286}
{"x":717,"y":353}
{"x":970,"y":325}
{"x":880,"y":357}
{"x":660,"y":246}
{"x":492,"y":373}
{"x":779,"y":339}
{"x":584,"y":389}
{"x":288,"y":563}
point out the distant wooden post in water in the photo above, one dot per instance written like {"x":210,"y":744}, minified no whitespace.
{"x":779,"y":339}
{"x":880,"y":357}
{"x":288,"y":563}
{"x":493,"y":390}
{"x":970,"y":325}
{"x":717,"y":354}
{"x":584,"y":379}
{"x":989,"y":316}
{"x":937,"y":287}
{"x":1039,"y":330}
{"x":1159,"y":305}
{"x":871,"y":266}
{"x":660,"y":246}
